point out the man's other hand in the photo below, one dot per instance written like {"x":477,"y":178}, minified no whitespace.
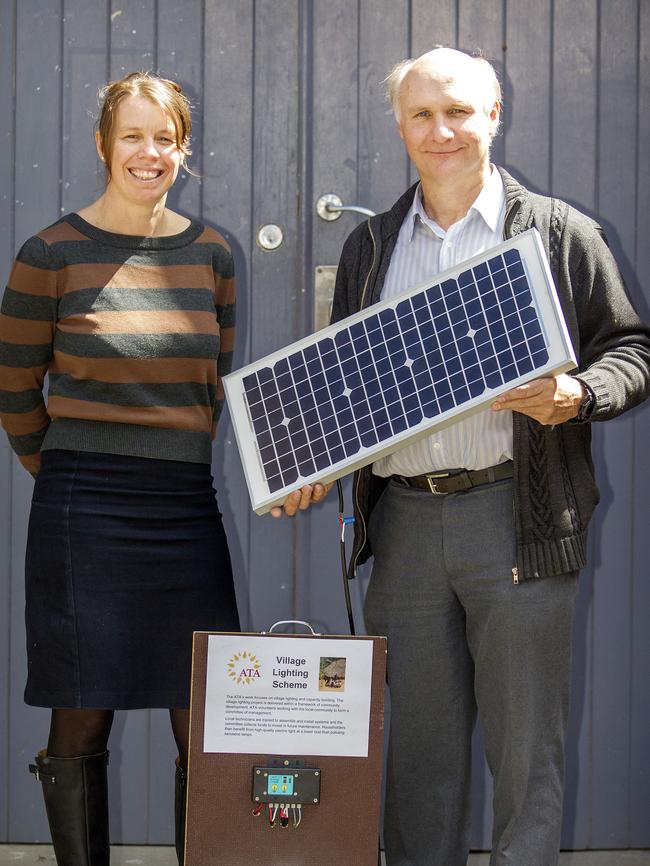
{"x":301,"y":499}
{"x":549,"y":401}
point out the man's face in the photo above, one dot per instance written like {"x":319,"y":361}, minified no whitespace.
{"x":447,"y":118}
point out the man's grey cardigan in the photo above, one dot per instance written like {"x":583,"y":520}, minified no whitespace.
{"x":553,"y":487}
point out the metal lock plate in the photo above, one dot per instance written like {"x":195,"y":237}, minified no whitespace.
{"x":324,"y":281}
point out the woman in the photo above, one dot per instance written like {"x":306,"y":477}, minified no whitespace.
{"x":129,"y":309}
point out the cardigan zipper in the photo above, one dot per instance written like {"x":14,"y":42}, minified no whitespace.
{"x":356,"y":486}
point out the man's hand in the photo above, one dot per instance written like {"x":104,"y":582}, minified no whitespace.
{"x":549,"y":401}
{"x":301,"y":499}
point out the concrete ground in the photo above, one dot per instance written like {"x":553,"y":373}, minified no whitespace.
{"x":149,"y":855}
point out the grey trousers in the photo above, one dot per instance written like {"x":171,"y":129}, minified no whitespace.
{"x":461,"y":635}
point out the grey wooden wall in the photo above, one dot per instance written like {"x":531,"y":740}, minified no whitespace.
{"x":288,"y":106}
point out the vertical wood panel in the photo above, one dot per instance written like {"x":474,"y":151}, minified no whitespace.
{"x":572,"y":170}
{"x":7,"y":65}
{"x":277,"y":302}
{"x":613,"y":575}
{"x":432,"y":24}
{"x":526,"y":84}
{"x":37,"y":203}
{"x":132,"y":36}
{"x":226,"y":186}
{"x":640,"y":704}
{"x":481,"y":27}
{"x":179,"y":51}
{"x":333,"y":138}
{"x":383,"y":164}
{"x":85,"y":70}
{"x":574,"y":120}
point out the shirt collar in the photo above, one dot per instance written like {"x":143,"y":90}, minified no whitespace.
{"x":488,"y":204}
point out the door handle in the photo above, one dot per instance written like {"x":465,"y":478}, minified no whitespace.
{"x":330,"y":207}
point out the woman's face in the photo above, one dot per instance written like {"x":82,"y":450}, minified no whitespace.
{"x":145,"y":157}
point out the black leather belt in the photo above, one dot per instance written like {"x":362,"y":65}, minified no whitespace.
{"x":457,"y":479}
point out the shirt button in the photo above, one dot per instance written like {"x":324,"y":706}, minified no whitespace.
{"x":437,"y":445}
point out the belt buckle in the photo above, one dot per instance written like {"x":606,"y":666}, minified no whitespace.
{"x":431,"y":481}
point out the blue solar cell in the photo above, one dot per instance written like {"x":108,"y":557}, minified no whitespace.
{"x":297,"y":434}
{"x":536,"y":344}
{"x":493,"y":380}
{"x":322,"y":461}
{"x":373,"y":388}
{"x":438,"y":373}
{"x":369,"y":438}
{"x":525,"y":365}
{"x":492,"y":315}
{"x":456,"y":315}
{"x":516,"y":332}
{"x":520,"y":351}
{"x":380,"y":416}
{"x":334,"y":376}
{"x":384,"y":367}
{"x":446,"y":402}
{"x":413,"y":343}
{"x":348,"y":367}
{"x":388,"y":322}
{"x":390,"y":393}
{"x":511,"y":256}
{"x":303,"y":388}
{"x":376,"y":337}
{"x":495,"y":264}
{"x":508,"y":308}
{"x":365,"y":360}
{"x":361,"y":344}
{"x":481,"y":271}
{"x":396,"y":353}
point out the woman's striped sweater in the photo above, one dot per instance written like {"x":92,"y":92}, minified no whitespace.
{"x":134,"y":334}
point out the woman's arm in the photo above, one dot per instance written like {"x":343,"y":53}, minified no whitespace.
{"x":27,"y":323}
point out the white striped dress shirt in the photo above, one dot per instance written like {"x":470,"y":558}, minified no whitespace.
{"x":423,"y":249}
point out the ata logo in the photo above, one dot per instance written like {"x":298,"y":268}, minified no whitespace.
{"x":244,"y":667}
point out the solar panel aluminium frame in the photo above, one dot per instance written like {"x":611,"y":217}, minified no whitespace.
{"x":561,"y":358}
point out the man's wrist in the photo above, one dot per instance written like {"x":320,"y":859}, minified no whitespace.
{"x":588,"y":401}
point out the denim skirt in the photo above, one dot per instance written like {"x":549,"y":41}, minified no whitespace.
{"x":126,"y":557}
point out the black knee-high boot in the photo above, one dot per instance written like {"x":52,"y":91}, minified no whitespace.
{"x":180,"y":806}
{"x":76,"y":800}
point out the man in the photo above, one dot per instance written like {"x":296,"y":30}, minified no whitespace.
{"x":478,"y":532}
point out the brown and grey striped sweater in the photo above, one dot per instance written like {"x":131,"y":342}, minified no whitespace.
{"x":134,"y":334}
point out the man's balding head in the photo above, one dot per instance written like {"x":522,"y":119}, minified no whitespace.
{"x":446,"y":63}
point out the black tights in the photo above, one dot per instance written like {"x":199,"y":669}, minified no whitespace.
{"x":74,"y":733}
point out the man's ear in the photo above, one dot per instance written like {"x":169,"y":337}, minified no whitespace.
{"x":495,"y":114}
{"x":399,"y":129}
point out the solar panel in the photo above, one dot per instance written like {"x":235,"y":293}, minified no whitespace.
{"x":372,"y":383}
